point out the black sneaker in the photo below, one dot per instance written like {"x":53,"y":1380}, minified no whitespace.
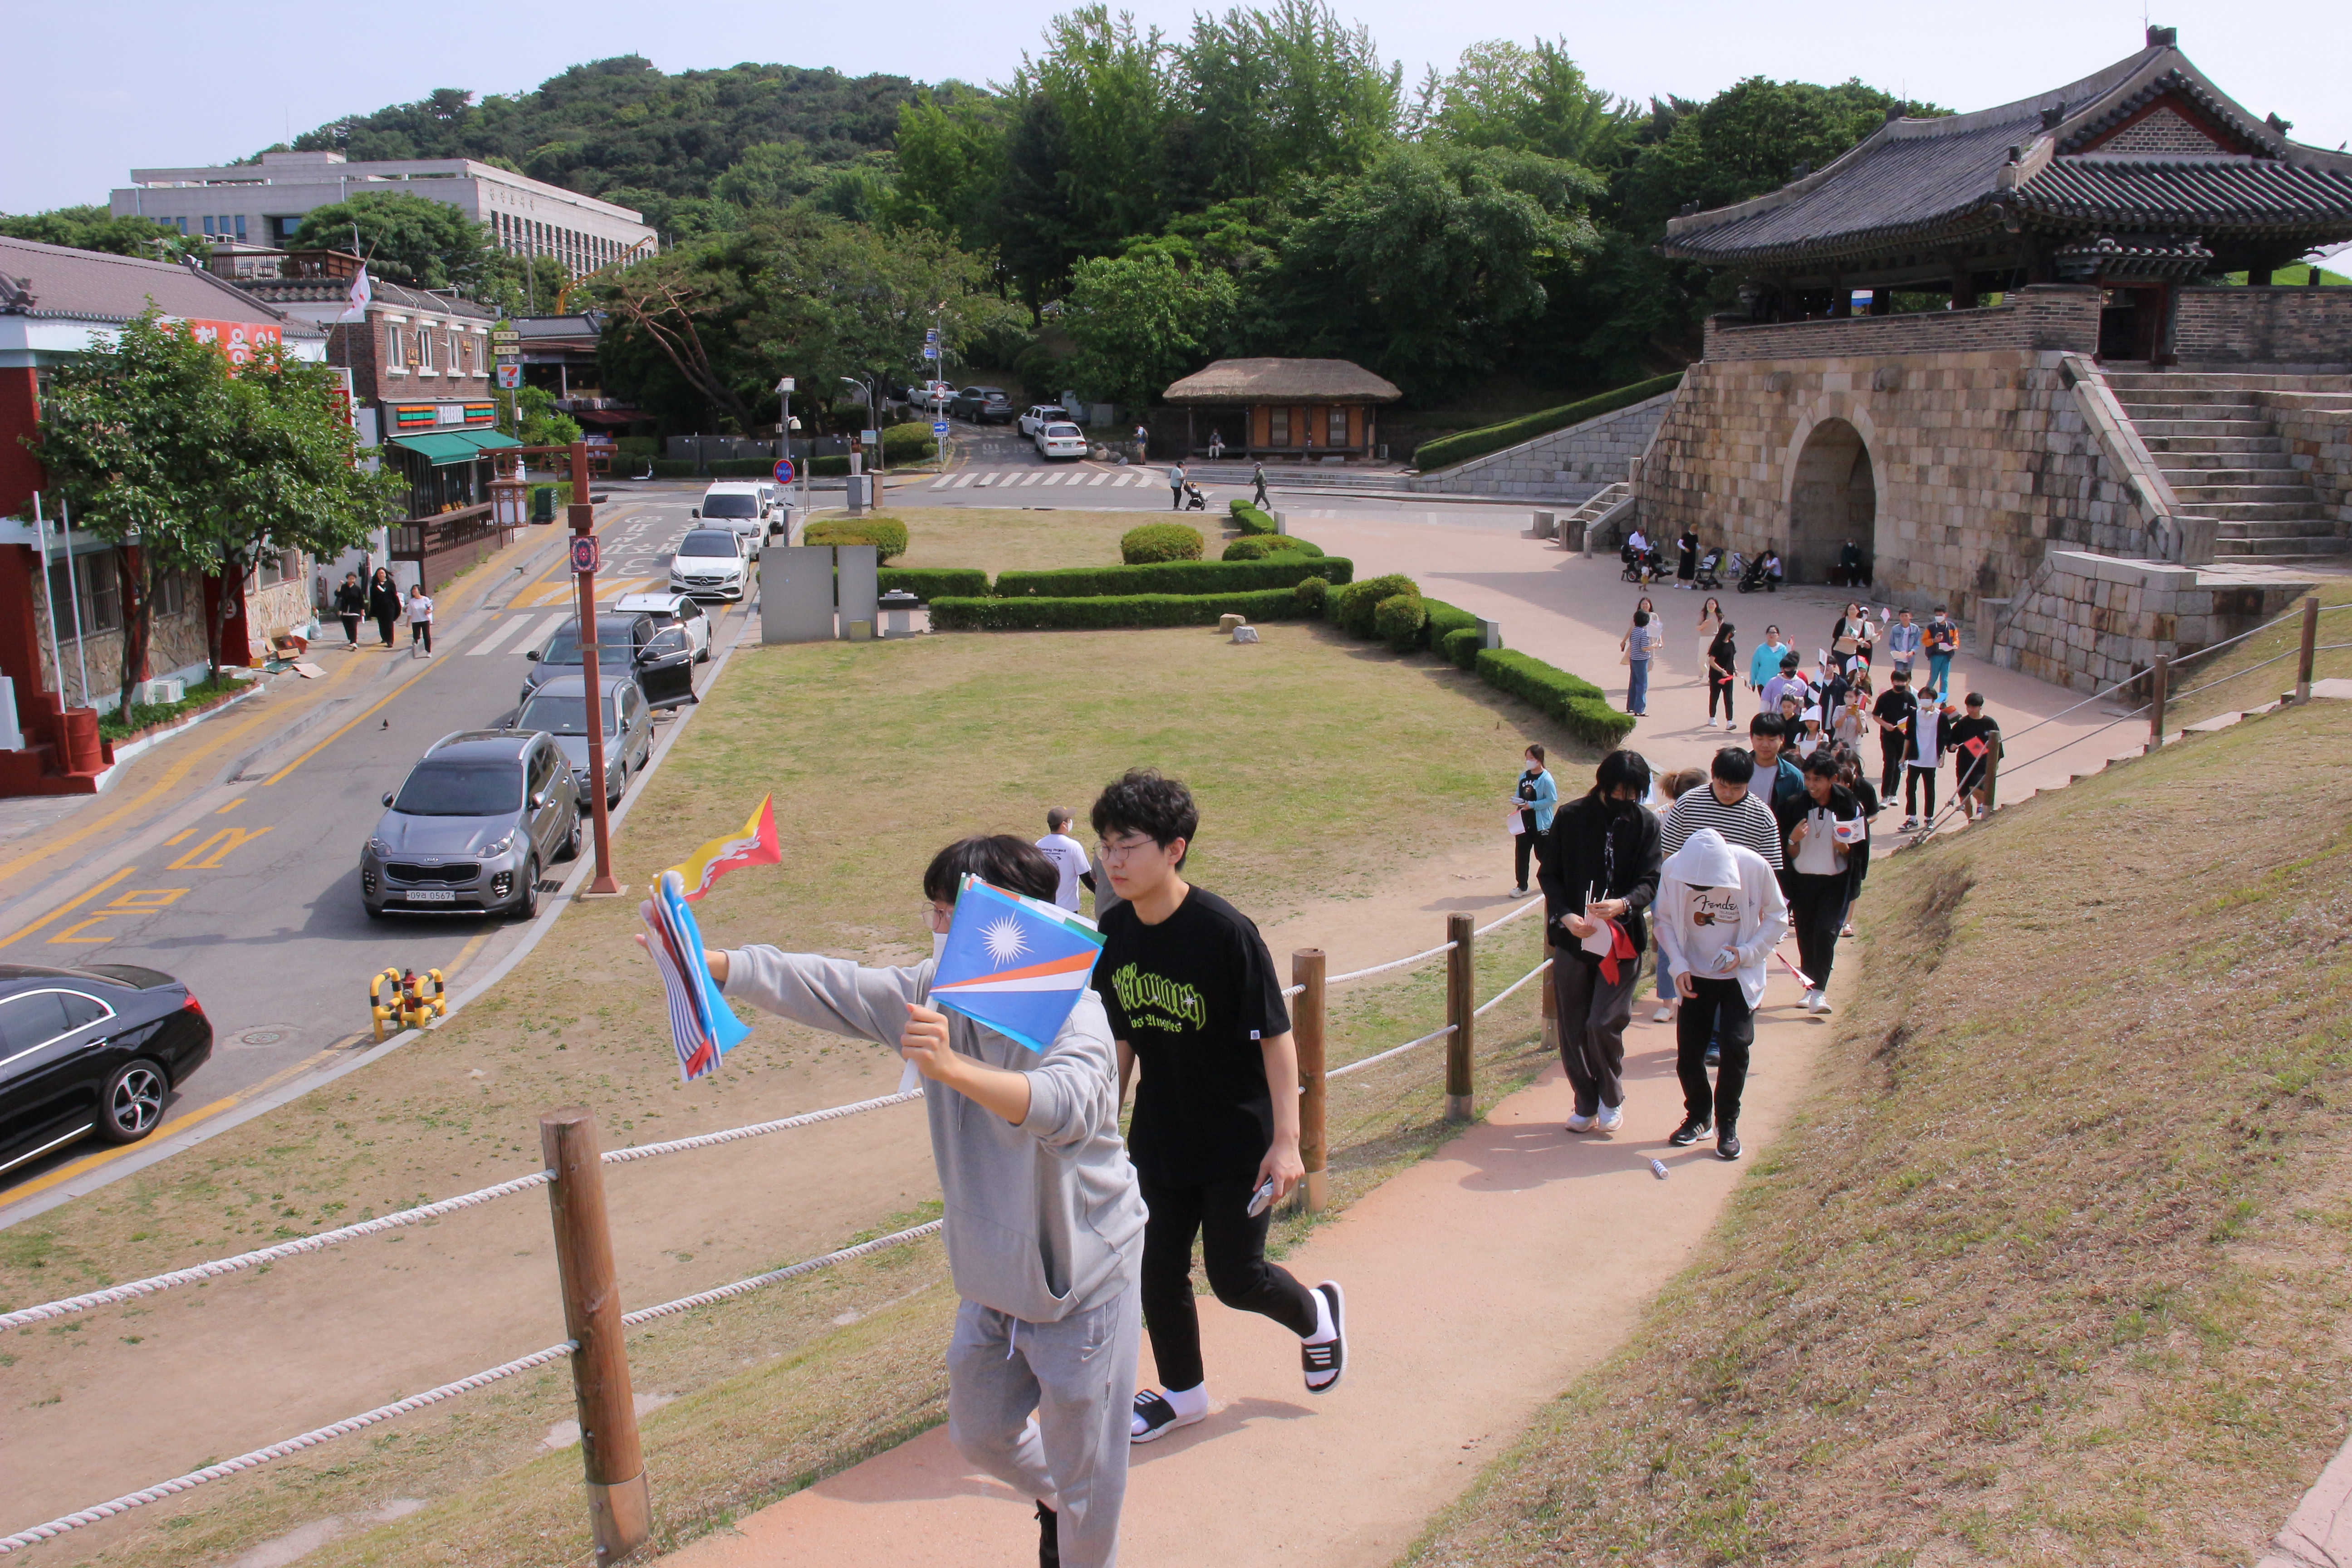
{"x":1692,"y":1129}
{"x":1323,"y":1363}
{"x":1727,"y":1141}
{"x":1049,"y":1538}
{"x":1714,"y":1057}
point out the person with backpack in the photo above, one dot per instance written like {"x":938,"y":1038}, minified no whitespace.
{"x":1719,"y":916}
{"x":1599,"y":873}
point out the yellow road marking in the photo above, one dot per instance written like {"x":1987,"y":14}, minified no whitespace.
{"x":339,"y":734}
{"x":68,"y":907}
{"x":179,"y":837}
{"x":137,"y":902}
{"x":224,"y":811}
{"x":205,"y":856}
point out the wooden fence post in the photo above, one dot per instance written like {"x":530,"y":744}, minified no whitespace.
{"x":1307,"y":1028}
{"x":2160,"y":682}
{"x":619,"y":1511}
{"x":1461,"y":997}
{"x":2310,"y":647}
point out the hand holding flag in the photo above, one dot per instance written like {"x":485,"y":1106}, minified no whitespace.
{"x":1013,"y":963}
{"x":755,"y":846}
{"x":701,"y":1025}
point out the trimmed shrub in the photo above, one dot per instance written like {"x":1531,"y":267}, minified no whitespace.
{"x":1159,"y":541}
{"x":1353,"y":608}
{"x":909,"y":444}
{"x":1310,"y":594}
{"x":1111,"y":611}
{"x":1259,"y":546}
{"x":1445,"y":618}
{"x":1463,"y":444}
{"x":1172,"y":577}
{"x":936,"y":582}
{"x":1397,"y":621}
{"x":1248,"y":519}
{"x":1460,"y":645}
{"x":887,"y":534}
{"x":1576,"y":702}
{"x":638,"y":445}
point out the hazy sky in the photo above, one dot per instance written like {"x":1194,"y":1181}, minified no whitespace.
{"x":98,"y":86}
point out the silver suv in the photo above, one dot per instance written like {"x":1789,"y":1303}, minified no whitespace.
{"x":468,"y":832}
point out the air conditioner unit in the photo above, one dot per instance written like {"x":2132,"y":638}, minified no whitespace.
{"x":151,"y":692}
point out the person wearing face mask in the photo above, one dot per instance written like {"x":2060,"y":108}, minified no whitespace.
{"x":1599,"y":871}
{"x":1720,"y":914}
{"x":1819,"y":881}
{"x":1941,"y":639}
{"x":1534,"y":798}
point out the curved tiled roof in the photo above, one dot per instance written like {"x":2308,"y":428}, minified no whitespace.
{"x":2190,"y":192}
{"x":1283,"y":380}
{"x":66,"y":284}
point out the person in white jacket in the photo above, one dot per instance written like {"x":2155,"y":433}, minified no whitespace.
{"x":1719,"y":914}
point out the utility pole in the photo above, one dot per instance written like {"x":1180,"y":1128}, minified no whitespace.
{"x":584,"y":526}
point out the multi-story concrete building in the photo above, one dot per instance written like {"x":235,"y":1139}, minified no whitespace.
{"x":264,"y":203}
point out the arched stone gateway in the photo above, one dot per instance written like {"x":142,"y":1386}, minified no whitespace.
{"x":1832,"y":497}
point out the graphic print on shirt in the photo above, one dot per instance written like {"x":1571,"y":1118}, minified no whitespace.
{"x":1142,"y":994}
{"x":1714,"y":906}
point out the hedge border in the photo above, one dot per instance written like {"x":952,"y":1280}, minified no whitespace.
{"x":1172,"y":577}
{"x":935,"y":582}
{"x":1446,"y":451}
{"x":1249,"y":518}
{"x":1112,"y":611}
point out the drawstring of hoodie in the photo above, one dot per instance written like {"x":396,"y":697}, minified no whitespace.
{"x":1013,"y":1339}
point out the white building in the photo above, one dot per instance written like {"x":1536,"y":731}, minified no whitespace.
{"x":264,"y":203}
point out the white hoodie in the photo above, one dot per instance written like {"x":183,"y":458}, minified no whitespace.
{"x":1740,"y":891}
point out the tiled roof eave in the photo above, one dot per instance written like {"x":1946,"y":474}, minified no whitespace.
{"x":2141,"y":220}
{"x":1948,"y":228}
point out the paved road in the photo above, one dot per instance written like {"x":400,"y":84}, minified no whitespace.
{"x":247,"y":888}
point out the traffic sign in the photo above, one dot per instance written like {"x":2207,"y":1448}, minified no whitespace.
{"x":584,"y":553}
{"x":783,"y":470}
{"x":939,"y":426}
{"x":931,"y":350}
{"x":509,"y":377}
{"x":931,"y":335}
{"x":868,"y":437}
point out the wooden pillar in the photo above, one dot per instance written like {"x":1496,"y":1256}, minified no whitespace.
{"x":1461,"y":999}
{"x":1307,"y":1028}
{"x":1964,"y":287}
{"x":619,"y":1511}
{"x":2310,"y":647}
{"x":1190,"y":438}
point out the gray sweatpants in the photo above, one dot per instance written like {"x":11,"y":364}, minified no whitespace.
{"x":1045,"y":1408}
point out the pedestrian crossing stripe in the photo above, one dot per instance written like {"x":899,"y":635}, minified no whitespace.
{"x":1004,"y":479}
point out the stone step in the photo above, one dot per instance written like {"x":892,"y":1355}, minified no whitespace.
{"x":2214,"y":468}
{"x":2248,"y":381}
{"x":2265,"y":528}
{"x":2305,"y":547}
{"x":2228,"y":445}
{"x":2241,"y":429}
{"x":2192,"y":408}
{"x":2262,"y":512}
{"x":2207,"y":497}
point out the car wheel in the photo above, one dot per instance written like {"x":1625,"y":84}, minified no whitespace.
{"x":133,"y":1102}
{"x":571,"y":850}
{"x":526,"y":904}
{"x":620,"y":788}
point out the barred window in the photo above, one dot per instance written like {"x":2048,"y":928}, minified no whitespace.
{"x":92,"y":579}
{"x":1277,"y":426}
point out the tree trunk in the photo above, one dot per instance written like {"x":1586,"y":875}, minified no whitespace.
{"x":138,"y":616}
{"x":232,"y":580}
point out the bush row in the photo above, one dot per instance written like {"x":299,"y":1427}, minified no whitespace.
{"x":1172,"y":577}
{"x":936,"y":582}
{"x":1577,"y":703}
{"x":1463,"y":444}
{"x":1111,"y":610}
{"x":887,"y":534}
{"x":1249,"y":518}
{"x":1158,"y":541}
{"x":1259,"y":546}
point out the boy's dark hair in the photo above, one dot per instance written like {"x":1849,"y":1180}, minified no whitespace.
{"x":1822,"y":764}
{"x":1767,"y":724}
{"x":1145,"y":801}
{"x":997,"y":858}
{"x":1902,"y":676}
{"x":1535,"y":749}
{"x":1056,"y":819}
{"x":1641,"y":617}
{"x":1788,"y":661}
{"x":1976,"y":700}
{"x":1733,"y":765}
{"x":1622,"y":767}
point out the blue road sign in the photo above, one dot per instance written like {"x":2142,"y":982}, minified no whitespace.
{"x":783,"y":470}
{"x":931,"y":350}
{"x":939,"y":426}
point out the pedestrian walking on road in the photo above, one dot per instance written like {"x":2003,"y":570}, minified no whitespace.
{"x":1176,"y":486}
{"x":1044,"y":1224}
{"x":1257,"y":479}
{"x":1895,"y":710}
{"x":1710,"y":621}
{"x":1196,"y":1004}
{"x":1535,"y":797}
{"x":1941,"y":639}
{"x":1765,"y":662}
{"x":1903,"y":640}
{"x":1068,"y":857}
{"x":1820,"y":883}
{"x":1720,"y":915}
{"x":1931,"y":737}
{"x":1728,"y":807}
{"x":420,"y":621}
{"x":384,"y":603}
{"x":1599,"y":873}
{"x":1976,"y":746}
{"x":1722,"y":673}
{"x":351,"y":605}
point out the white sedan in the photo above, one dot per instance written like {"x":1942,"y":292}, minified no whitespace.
{"x":1061,"y":440}
{"x":672,"y":610}
{"x":1041,"y":415}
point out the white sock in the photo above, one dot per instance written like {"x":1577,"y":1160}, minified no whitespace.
{"x":1193,"y":1400}
{"x":1325,"y":1331}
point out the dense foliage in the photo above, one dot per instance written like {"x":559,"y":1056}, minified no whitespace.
{"x":95,"y":228}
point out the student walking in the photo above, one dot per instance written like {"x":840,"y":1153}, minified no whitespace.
{"x":351,"y":607}
{"x":1044,"y":1223}
{"x":1896,"y":711}
{"x":1722,"y":674}
{"x":1976,"y":746}
{"x":1930,"y":738}
{"x":1777,"y":782}
{"x":1195,"y":1003}
{"x":1599,"y":873}
{"x":1820,"y":885}
{"x":420,"y":620}
{"x":1535,"y":796}
{"x":1710,"y":623}
{"x":1857,"y":856}
{"x":1068,"y":858}
{"x":1720,"y":915}
{"x":1941,"y":639}
{"x":1726,"y":806}
{"x":1644,"y":639}
{"x":1669,"y":789}
{"x":1903,"y":642}
{"x":384,"y":603}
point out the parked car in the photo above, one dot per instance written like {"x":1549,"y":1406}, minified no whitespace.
{"x":1061,"y":440}
{"x":657,"y":657}
{"x":711,"y":563}
{"x":753,"y":509}
{"x":672,"y":610}
{"x":934,"y":395}
{"x":469,"y":830}
{"x":1041,"y":414}
{"x":92,"y":1050}
{"x":982,"y":405}
{"x":557,"y":708}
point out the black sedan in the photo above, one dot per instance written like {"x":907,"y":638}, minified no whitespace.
{"x":93,"y":1050}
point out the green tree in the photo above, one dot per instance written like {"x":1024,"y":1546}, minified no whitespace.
{"x":1528,"y":100}
{"x":1140,"y":321}
{"x":1274,"y":94}
{"x":1747,"y":140}
{"x":409,"y":239}
{"x":767,"y":175}
{"x":158,"y":442}
{"x":528,"y":415}
{"x":95,"y":228}
{"x":951,"y":163}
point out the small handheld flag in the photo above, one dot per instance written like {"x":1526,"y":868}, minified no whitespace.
{"x":1015,"y":965}
{"x":701,"y":1025}
{"x":755,"y":846}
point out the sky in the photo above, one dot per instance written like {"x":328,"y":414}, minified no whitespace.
{"x":100,"y":86}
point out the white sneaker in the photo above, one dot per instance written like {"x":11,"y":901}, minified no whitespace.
{"x":1613,"y":1116}
{"x":1816,"y":1003}
{"x":1664,"y":1015}
{"x":1579,"y":1123}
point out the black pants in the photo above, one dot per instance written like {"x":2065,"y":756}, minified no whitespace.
{"x":1175,"y":498}
{"x":1817,"y":908}
{"x":1915,"y":780}
{"x":1524,"y":845}
{"x":1593,"y":1013}
{"x":351,"y":629}
{"x":1719,"y":1012}
{"x":1891,"y":752}
{"x":383,"y":624}
{"x":1232,"y":1245}
{"x":1261,"y":493}
{"x":1719,"y":688}
{"x":1857,"y":871}
{"x":420,"y":633}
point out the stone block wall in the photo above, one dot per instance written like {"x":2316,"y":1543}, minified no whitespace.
{"x":1571,"y":465}
{"x":2062,"y":316}
{"x":2317,"y":428}
{"x":2087,"y":621}
{"x":2273,"y":326}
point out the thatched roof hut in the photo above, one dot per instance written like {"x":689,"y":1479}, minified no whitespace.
{"x":1306,"y":408}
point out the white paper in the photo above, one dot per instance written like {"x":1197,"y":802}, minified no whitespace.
{"x":1602,"y":939}
{"x":1513,"y":822}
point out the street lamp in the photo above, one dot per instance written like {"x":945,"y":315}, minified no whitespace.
{"x":509,"y":496}
{"x":784,"y":435}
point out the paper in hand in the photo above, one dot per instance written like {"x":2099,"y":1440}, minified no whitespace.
{"x":1603,"y":937}
{"x":702,"y":1027}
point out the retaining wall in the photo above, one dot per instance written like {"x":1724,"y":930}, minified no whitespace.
{"x":1569,"y":465}
{"x":2086,"y":620}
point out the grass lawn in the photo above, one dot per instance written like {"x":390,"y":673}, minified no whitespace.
{"x":1327,"y":770}
{"x":1017,"y":539}
{"x":2253,"y":673}
{"x":2055,"y":1266}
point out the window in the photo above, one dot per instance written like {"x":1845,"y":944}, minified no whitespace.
{"x":26,"y":1021}
{"x":171,"y":594}
{"x":1336,"y":428}
{"x":276,"y":566}
{"x":93,"y":580}
{"x":424,"y":349}
{"x":395,"y":348}
{"x":82,"y":1011}
{"x":1277,"y":426}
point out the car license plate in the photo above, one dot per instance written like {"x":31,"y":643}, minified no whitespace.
{"x":431,"y":896}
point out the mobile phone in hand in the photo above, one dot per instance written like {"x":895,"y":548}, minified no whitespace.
{"x":1262,"y":1199}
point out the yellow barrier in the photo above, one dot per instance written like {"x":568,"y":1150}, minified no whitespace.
{"x":407,"y":1006}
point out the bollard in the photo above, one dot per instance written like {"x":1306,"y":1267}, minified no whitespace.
{"x":619,"y":1511}
{"x":1307,"y":1018}
{"x":1461,"y":999}
{"x":2159,"y":680}
{"x":2310,"y":640}
{"x":382,"y":1010}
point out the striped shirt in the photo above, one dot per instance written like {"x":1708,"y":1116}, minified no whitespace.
{"x":1749,"y":823}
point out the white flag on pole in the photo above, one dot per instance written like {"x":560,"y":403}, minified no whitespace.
{"x":356,"y":310}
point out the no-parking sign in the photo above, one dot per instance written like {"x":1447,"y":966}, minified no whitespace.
{"x":783,"y":470}
{"x":585,"y":556}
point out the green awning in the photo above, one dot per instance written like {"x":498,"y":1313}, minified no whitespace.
{"x":441,"y":449}
{"x":491,"y":440}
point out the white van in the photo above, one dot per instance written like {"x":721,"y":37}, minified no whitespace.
{"x":752,"y":507}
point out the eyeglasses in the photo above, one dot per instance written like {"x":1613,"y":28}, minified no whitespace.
{"x":937,"y":916}
{"x":1116,"y":852}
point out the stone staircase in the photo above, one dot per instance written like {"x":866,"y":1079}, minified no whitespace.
{"x":2226,"y":461}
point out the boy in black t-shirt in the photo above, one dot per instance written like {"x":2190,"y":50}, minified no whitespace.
{"x":1195,"y":1001}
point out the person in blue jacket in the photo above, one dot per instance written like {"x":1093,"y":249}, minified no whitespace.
{"x":1535,"y":796}
{"x":1765,"y":662}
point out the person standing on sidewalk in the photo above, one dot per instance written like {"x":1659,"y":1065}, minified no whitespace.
{"x":1196,"y":1004}
{"x":351,"y":607}
{"x":1535,"y":796}
{"x":1896,"y":712}
{"x":1722,"y":674}
{"x":1599,"y":870}
{"x":1976,"y":743}
{"x":420,"y":620}
{"x":1941,"y":639}
{"x":1720,"y":915}
{"x":1644,"y":639}
{"x":1175,"y":487}
{"x":1044,"y":1224}
{"x":1820,"y":883}
{"x":384,"y":603}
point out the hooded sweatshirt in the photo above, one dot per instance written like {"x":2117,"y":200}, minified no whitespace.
{"x":1044,"y":1219}
{"x":1719,"y":912}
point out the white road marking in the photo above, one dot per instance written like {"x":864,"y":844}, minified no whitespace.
{"x":506,"y":628}
{"x":965,"y":480}
{"x":1028,"y":479}
{"x":986,"y":480}
{"x":1099,"y":477}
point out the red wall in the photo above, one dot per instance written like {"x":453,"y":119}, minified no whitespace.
{"x":20,"y":410}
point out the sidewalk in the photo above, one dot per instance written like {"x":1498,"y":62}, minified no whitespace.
{"x":1480,"y":1283}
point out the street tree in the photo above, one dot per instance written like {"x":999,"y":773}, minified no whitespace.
{"x":409,"y":239}
{"x":1142,"y":322}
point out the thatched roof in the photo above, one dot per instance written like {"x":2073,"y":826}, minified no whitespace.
{"x":1282,"y":380}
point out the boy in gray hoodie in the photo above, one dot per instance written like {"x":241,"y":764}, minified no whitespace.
{"x":1045,"y":1227}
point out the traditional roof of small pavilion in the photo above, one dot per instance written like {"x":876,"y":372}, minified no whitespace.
{"x":2147,"y":147}
{"x":1230,"y":380}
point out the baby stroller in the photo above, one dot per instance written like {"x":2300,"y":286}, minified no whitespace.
{"x":1193,"y":499}
{"x":1753,"y":580}
{"x":1645,"y":566}
{"x":1710,"y":568}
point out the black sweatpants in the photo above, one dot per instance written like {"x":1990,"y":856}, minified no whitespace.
{"x":1915,"y":779}
{"x":351,"y":629}
{"x":383,"y":624}
{"x":1593,"y":1013}
{"x":1892,"y":750}
{"x":1717,"y":1013}
{"x":1719,"y":688}
{"x":1817,"y":907}
{"x":1525,"y":846}
{"x":1232,"y":1245}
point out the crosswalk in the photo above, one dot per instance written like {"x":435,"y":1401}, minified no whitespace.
{"x":607,"y":590}
{"x":1069,"y":479}
{"x":533,"y":629}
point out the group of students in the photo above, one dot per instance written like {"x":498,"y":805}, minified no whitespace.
{"x":380,"y":602}
{"x":1063,"y":1239}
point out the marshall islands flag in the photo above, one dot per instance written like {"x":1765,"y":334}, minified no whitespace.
{"x":1013,"y":963}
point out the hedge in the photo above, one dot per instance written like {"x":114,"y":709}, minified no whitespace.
{"x":1462,"y":646}
{"x":887,"y":534}
{"x":936,"y":582}
{"x":1311,"y":593}
{"x":1445,"y":618}
{"x":1463,"y":444}
{"x":1248,"y":519}
{"x":1172,"y":577}
{"x":1354,"y":609}
{"x":1577,"y":703}
{"x":1156,"y":542}
{"x":1397,"y":621}
{"x":909,"y":442}
{"x":1259,"y":546}
{"x":1109,"y":610}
